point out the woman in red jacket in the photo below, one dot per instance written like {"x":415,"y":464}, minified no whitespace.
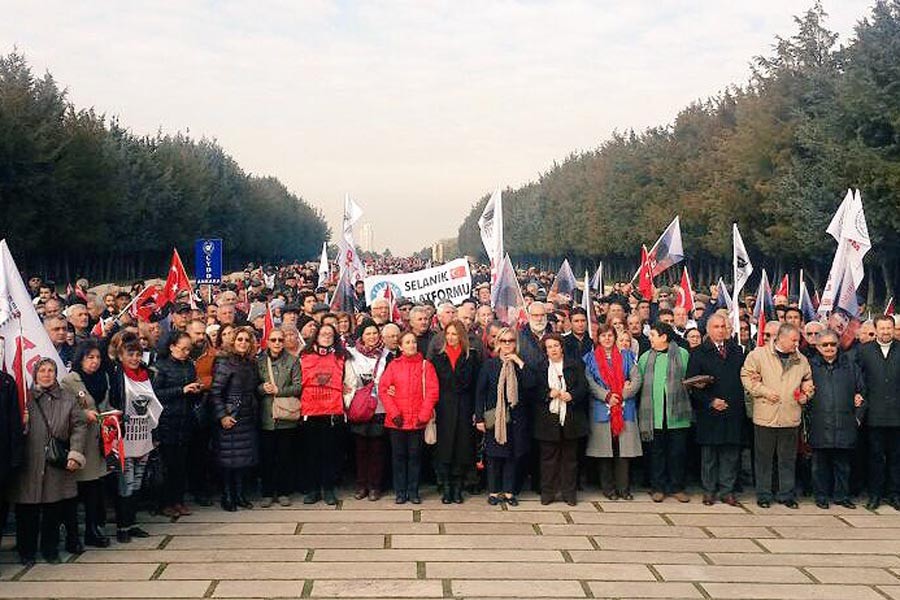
{"x":409,"y":391}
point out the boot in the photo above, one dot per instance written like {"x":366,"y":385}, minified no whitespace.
{"x":228,"y":500}
{"x":73,"y":544}
{"x":456,"y":492}
{"x":446,"y":489}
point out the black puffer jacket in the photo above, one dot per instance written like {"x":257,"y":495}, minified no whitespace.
{"x":233,"y":393}
{"x":833,"y":419}
{"x":176,"y":422}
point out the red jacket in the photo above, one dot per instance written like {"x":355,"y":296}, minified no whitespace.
{"x":405,"y":374}
{"x":323,"y":385}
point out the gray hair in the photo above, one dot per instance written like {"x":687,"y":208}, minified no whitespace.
{"x":786,"y":329}
{"x":418,"y":308}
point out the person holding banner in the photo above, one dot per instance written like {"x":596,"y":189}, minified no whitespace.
{"x":43,"y":484}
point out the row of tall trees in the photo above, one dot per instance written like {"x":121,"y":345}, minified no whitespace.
{"x":776,"y":155}
{"x":82,"y":196}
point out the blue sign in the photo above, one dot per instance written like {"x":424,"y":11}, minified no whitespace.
{"x":208,"y":261}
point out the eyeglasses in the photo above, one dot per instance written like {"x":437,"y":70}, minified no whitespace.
{"x":279,"y":340}
{"x":827,"y":344}
{"x":507,"y":341}
{"x":767,"y":336}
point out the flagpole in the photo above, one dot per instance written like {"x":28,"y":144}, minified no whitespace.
{"x":20,"y":345}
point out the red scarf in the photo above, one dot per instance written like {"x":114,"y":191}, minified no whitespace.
{"x":614,"y":376}
{"x":453,"y":353}
{"x":139,"y":374}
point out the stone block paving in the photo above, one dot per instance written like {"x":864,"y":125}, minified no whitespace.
{"x":598,"y":549}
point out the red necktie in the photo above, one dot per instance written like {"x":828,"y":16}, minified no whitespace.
{"x":722,"y":352}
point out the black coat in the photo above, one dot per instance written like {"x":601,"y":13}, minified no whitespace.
{"x":882,"y":384}
{"x":233,"y":393}
{"x":833,"y":420}
{"x":546,"y":424}
{"x":718,"y":428}
{"x":518,"y":431}
{"x":11,"y":432}
{"x":455,"y":409}
{"x":575,"y":349}
{"x":177,"y":420}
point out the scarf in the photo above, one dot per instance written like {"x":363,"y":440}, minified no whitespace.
{"x":676,"y":396}
{"x":613,"y":373}
{"x":453,"y":353}
{"x":139,"y":374}
{"x":373,"y":352}
{"x":96,"y":384}
{"x":507,"y":393}
{"x":556,"y":381}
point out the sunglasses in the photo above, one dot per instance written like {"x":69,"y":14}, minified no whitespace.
{"x":273,"y":340}
{"x":507,"y":341}
{"x":827,"y":344}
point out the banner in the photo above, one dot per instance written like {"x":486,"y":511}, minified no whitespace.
{"x":347,"y":258}
{"x":25,"y":341}
{"x":449,"y":282}
{"x":208,"y":261}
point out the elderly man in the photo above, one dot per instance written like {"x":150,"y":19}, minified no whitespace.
{"x":880,"y":364}
{"x":720,"y":410}
{"x":381,"y":311}
{"x":58,"y":330}
{"x":779,"y":381}
{"x":419,"y":324}
{"x":811,"y":332}
{"x":866,"y":332}
{"x":835,"y":414}
{"x":80,"y":319}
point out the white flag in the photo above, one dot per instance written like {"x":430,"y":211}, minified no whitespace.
{"x":565,"y":280}
{"x":19,"y":318}
{"x":323,"y":266}
{"x":597,"y":281}
{"x":491,"y":226}
{"x":586,"y":302}
{"x":742,"y":271}
{"x":849,"y":228}
{"x":348,"y":259}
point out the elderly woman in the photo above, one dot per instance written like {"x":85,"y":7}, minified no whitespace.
{"x":457,"y":368}
{"x":54,"y":421}
{"x":499,"y":414}
{"x":614,"y":438}
{"x":560,"y":421}
{"x":279,"y":374}
{"x":178,"y":389}
{"x":235,"y":407}
{"x":88,"y":383}
{"x":368,"y":356}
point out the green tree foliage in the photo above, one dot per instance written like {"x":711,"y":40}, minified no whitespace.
{"x":83,"y":196}
{"x":776,"y":155}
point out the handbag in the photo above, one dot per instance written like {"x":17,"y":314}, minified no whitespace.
{"x":56,"y":451}
{"x":284,"y":408}
{"x":431,"y":428}
{"x":364,"y":403}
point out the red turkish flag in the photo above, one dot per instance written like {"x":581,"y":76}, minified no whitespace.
{"x":785,"y":288}
{"x":147,"y":302}
{"x":685,"y":293}
{"x":268,"y":326}
{"x":176,"y":281}
{"x":457,"y":272}
{"x":645,"y":276}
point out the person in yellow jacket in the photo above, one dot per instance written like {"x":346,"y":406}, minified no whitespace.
{"x":778,"y":380}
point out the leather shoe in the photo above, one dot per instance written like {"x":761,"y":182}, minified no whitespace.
{"x":873,"y":503}
{"x":847,"y":504}
{"x":657,"y":496}
{"x":895,"y":503}
{"x":122,"y":536}
{"x":52,"y":559}
{"x":708,"y":499}
{"x":361,"y":493}
{"x":400,"y":499}
{"x":447,"y":496}
{"x":823,"y":504}
{"x":96,"y":541}
{"x":457,"y":495}
{"x":311,"y":498}
{"x":74,"y":546}
{"x":791,"y":504}
{"x":494,"y":500}
{"x":415,"y":498}
{"x":243,"y":502}
{"x":512,"y":500}
{"x":682,"y":497}
{"x":374,"y":495}
{"x":764,"y":503}
{"x":730,"y":500}
{"x":138,"y":532}
{"x":330,"y":498}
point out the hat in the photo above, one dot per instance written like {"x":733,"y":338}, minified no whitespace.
{"x":320,"y":307}
{"x":257,"y":309}
{"x":181,"y":307}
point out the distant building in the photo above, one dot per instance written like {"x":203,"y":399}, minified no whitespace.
{"x":437,"y":252}
{"x":367,"y":238}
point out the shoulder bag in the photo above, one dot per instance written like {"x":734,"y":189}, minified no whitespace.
{"x":284,"y":408}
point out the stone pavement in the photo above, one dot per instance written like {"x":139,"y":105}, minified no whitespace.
{"x":598,"y":549}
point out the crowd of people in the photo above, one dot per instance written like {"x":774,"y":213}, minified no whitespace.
{"x":219,"y":399}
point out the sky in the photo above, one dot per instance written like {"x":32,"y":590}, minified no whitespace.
{"x":415,"y":108}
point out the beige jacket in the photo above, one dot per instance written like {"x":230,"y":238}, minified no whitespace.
{"x":762,"y":374}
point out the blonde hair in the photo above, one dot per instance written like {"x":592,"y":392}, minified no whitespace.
{"x":500,"y":334}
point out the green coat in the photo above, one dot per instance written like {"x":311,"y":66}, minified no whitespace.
{"x":286,"y":376}
{"x":660,"y":368}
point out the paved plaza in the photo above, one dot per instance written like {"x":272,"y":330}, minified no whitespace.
{"x":598,"y":549}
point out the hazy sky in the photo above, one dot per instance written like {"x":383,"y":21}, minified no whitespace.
{"x":415,"y":108}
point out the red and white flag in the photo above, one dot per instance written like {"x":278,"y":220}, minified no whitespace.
{"x":685,"y":292}
{"x":268,"y":326}
{"x":392,"y":303}
{"x":146,"y":303}
{"x":23,"y":337}
{"x":645,"y":275}
{"x":176,"y":282}
{"x":785,"y":288}
{"x":889,"y":307}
